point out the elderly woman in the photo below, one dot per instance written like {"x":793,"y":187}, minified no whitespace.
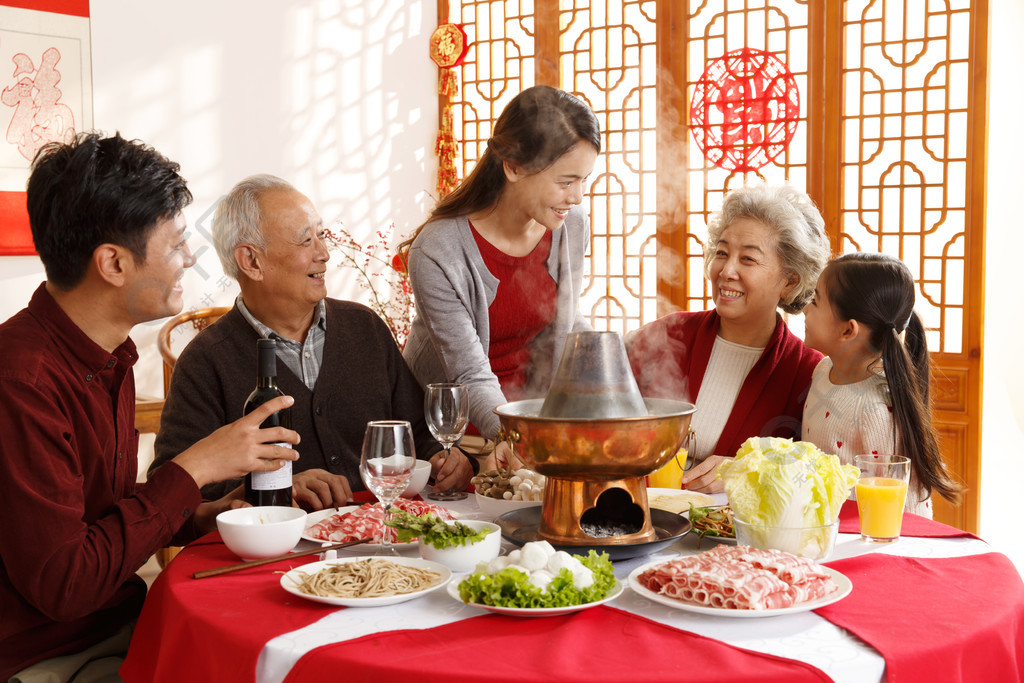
{"x":738,"y":363}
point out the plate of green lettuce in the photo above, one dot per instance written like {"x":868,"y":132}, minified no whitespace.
{"x":510,"y":591}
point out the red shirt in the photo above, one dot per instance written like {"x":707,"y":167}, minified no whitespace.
{"x":76,"y":526}
{"x":523,"y":306}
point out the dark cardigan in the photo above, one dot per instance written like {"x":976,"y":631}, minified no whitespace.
{"x":362,"y":377}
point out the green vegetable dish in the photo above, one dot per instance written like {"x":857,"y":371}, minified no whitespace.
{"x":712,"y":521}
{"x":778,"y":482}
{"x":560,"y":582}
{"x":433,"y":530}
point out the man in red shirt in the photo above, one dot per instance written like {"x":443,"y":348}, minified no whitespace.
{"x":106,"y":218}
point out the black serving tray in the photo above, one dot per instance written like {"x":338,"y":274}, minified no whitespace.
{"x":523,"y":525}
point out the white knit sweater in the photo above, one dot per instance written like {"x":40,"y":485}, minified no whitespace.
{"x":854,"y":419}
{"x":723,"y":379}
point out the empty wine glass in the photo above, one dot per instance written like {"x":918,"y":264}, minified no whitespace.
{"x":386,"y":464}
{"x":446,"y":407}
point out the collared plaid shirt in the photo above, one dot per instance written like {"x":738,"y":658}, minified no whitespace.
{"x":302,"y":358}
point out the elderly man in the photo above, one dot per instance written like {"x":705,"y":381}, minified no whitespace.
{"x":106,"y":220}
{"x":336,"y":358}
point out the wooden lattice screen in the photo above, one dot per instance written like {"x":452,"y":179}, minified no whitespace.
{"x":889,"y":141}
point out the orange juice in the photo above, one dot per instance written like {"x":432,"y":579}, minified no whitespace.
{"x":880,"y":503}
{"x":670,"y":476}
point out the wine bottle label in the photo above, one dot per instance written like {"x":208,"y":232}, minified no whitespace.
{"x":276,"y":479}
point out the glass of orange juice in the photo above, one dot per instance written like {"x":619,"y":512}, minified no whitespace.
{"x":881,"y":495}
{"x":670,"y":476}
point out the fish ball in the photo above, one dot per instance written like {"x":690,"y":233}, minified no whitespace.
{"x":497,"y":564}
{"x":541,"y":579}
{"x":549,"y":549}
{"x":583,"y":577}
{"x":533,"y":557}
{"x":559,"y":561}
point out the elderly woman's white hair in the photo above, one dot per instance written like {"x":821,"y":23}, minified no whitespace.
{"x":803,"y":247}
{"x":238,"y":220}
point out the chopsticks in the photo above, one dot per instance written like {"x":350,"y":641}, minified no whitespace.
{"x":270,"y":560}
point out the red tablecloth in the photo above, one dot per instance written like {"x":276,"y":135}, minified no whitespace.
{"x":214,"y":630}
{"x":599,"y":644}
{"x":222,"y":640}
{"x":926,"y":619}
{"x":913,"y":525}
{"x":930,"y":620}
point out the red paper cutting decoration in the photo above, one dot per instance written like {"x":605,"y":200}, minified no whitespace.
{"x":745,"y":110}
{"x":448,"y":47}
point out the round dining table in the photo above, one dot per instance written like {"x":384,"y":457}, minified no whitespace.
{"x":937,"y":605}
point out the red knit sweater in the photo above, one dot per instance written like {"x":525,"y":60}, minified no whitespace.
{"x":669,"y":357}
{"x":523,"y":306}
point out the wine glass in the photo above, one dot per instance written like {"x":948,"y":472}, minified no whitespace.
{"x":446,"y":407}
{"x":386,"y":464}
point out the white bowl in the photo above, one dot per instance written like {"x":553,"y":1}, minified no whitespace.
{"x":418,"y":480}
{"x":464,"y":558}
{"x":493,"y":507}
{"x":814,"y":543}
{"x":256,"y":532}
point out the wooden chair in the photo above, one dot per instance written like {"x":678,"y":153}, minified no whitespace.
{"x":170,"y":340}
{"x":200,"y":319}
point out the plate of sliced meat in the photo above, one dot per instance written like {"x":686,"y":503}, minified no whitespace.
{"x":339,"y":525}
{"x":740,"y":581}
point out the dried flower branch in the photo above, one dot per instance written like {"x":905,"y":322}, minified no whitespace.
{"x":380,"y":273}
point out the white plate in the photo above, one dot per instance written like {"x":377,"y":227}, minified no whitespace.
{"x":319,"y":516}
{"x":701,"y":500}
{"x":292,"y":579}
{"x":843,"y":584}
{"x":453,"y":590}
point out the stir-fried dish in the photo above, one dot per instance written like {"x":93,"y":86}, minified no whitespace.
{"x":712,"y":521}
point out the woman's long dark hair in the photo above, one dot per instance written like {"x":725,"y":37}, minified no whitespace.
{"x":537,"y":127}
{"x":878,"y":291}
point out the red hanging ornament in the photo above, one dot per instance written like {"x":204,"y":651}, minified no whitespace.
{"x":745,"y":110}
{"x":446,"y":149}
{"x":448,"y":47}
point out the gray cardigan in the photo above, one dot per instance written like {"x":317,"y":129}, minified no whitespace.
{"x":449,"y":339}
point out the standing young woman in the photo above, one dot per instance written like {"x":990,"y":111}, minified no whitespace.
{"x":497,"y":268}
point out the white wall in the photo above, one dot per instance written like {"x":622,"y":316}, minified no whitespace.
{"x":335,"y":97}
{"x":338,"y":98}
{"x":1002,"y":475}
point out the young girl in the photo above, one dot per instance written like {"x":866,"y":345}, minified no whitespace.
{"x":497,"y":268}
{"x":870,"y":392}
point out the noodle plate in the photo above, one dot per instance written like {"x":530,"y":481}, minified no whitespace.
{"x":369,"y":578}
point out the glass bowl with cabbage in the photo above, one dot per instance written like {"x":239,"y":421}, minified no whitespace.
{"x":786,"y":495}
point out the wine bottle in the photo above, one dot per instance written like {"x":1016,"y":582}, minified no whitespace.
{"x":273,"y":487}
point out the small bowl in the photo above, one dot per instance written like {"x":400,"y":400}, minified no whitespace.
{"x":464,"y":558}
{"x":420,"y":477}
{"x":814,"y":543}
{"x":256,"y":532}
{"x":495,"y":507}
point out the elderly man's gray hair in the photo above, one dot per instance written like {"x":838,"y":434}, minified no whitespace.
{"x":238,"y":220}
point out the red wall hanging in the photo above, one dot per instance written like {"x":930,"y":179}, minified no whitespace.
{"x":745,"y":110}
{"x":448,"y":47}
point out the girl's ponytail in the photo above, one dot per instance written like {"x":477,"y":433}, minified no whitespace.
{"x":917,"y":348}
{"x":907,"y":369}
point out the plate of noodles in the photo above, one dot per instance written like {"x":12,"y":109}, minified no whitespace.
{"x":365,"y":581}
